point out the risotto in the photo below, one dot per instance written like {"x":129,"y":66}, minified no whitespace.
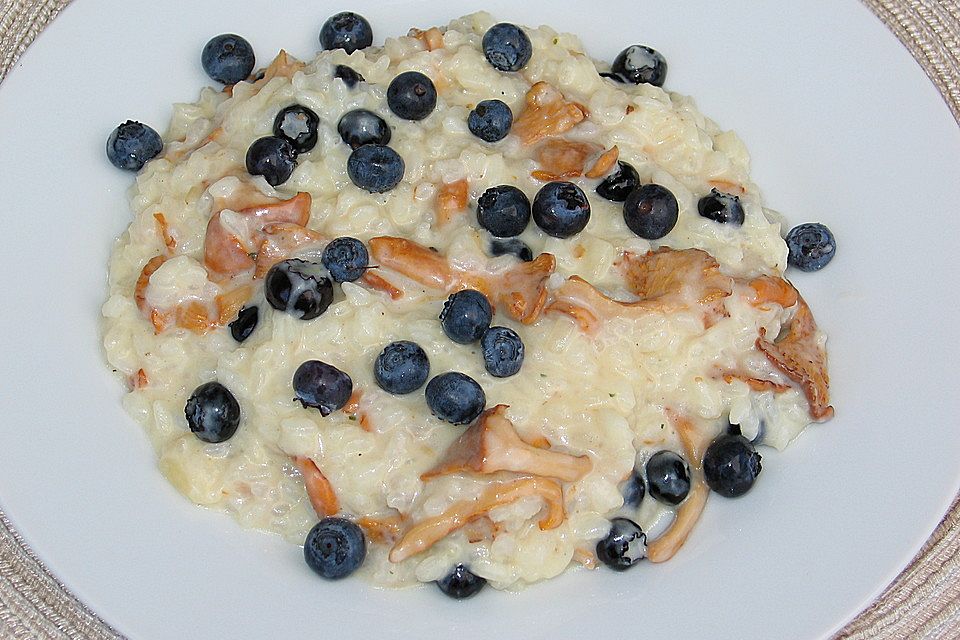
{"x":640,"y":348}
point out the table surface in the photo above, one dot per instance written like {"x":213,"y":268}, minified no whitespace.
{"x":923,"y":602}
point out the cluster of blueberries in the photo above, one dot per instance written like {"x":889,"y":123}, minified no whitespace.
{"x":731,"y":465}
{"x":336,"y":546}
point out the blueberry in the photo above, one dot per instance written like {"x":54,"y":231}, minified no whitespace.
{"x":668,"y":477}
{"x":465,"y":316}
{"x":401,"y":367}
{"x":321,"y":386}
{"x":639,"y":64}
{"x":213,"y":413}
{"x":651,"y":211}
{"x":504,"y":211}
{"x":346,"y":30}
{"x":731,"y":465}
{"x":455,"y":397}
{"x":633,"y":490}
{"x":298,"y":124}
{"x":811,"y":246}
{"x":624,"y":546}
{"x":411,"y":96}
{"x":273,"y":158}
{"x":721,"y":207}
{"x":299,"y":288}
{"x":490,"y":120}
{"x":617,"y":186}
{"x":228,"y":58}
{"x":375,"y":168}
{"x":132,"y":144}
{"x":335,"y":548}
{"x":349,"y":76}
{"x":346,"y":259}
{"x":561,"y":209}
{"x":507,"y":47}
{"x":461,"y":583}
{"x":511,"y":247}
{"x":360,"y":127}
{"x":502,"y":351}
{"x":246,"y":322}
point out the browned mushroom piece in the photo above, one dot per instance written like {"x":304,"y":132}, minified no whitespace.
{"x":666,"y":281}
{"x":431,"y":38}
{"x":803,"y":359}
{"x":451,"y":200}
{"x":546,"y":113}
{"x":429,"y":531}
{"x":688,"y":513}
{"x":518,"y":290}
{"x":491,"y":444}
{"x":227,"y":247}
{"x":282,"y":240}
{"x":319,"y":490}
{"x":605,"y":163}
{"x":561,"y":158}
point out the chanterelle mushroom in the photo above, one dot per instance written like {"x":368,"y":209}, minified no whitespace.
{"x":519,"y":290}
{"x":428,"y":532}
{"x":803,"y":359}
{"x":491,"y":444}
{"x":547,"y":113}
{"x":666,"y":280}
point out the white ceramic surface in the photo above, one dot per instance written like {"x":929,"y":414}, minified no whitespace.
{"x":844,"y":128}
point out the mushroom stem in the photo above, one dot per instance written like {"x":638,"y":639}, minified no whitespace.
{"x":428,"y":532}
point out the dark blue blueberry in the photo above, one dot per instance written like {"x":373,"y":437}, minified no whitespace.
{"x":721,"y":207}
{"x":401,"y":367}
{"x":507,"y":47}
{"x":272,"y":157}
{"x":731,"y":465}
{"x":335,"y":548}
{"x":213,"y":414}
{"x":811,"y":246}
{"x":246,"y":322}
{"x":228,"y":58}
{"x":321,"y":386}
{"x":461,"y":583}
{"x":349,"y":75}
{"x":132,"y":144}
{"x":465,"y":316}
{"x":299,"y":288}
{"x":455,"y":397}
{"x":411,"y":96}
{"x":504,"y":211}
{"x":651,"y":211}
{"x":624,"y":546}
{"x":561,"y":209}
{"x":502,"y":351}
{"x":639,"y":64}
{"x":375,"y":168}
{"x":360,"y":127}
{"x":490,"y":120}
{"x":633,"y":490}
{"x":346,"y":30}
{"x":618,"y":185}
{"x":346,"y":259}
{"x":298,"y":124}
{"x":511,"y":247}
{"x":668,"y":478}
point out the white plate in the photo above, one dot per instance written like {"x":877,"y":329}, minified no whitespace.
{"x":844,"y":128}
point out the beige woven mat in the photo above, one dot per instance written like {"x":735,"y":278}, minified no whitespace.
{"x":923,"y":602}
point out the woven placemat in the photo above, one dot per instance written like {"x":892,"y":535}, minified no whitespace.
{"x":923,"y":602}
